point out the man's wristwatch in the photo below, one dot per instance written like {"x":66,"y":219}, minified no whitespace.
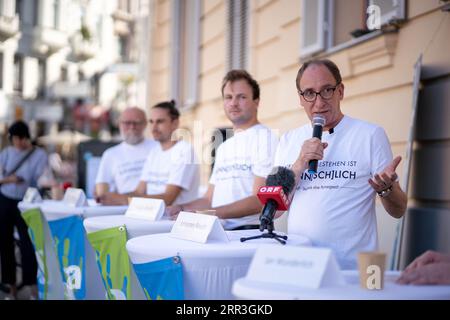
{"x":384,"y":193}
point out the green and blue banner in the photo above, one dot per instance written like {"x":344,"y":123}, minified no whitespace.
{"x":68,"y":235}
{"x":34,"y":220}
{"x":161,"y":279}
{"x":113,"y":262}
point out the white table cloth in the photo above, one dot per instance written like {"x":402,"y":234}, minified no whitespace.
{"x":247,"y":289}
{"x":58,"y":210}
{"x":24,"y":206}
{"x":209,"y":269}
{"x":135,"y":227}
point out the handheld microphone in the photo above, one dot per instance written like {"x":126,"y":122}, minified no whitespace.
{"x":275,"y":195}
{"x":318,"y":123}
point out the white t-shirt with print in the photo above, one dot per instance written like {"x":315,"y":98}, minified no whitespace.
{"x":176,"y":166}
{"x":335,"y":208}
{"x":247,"y":154}
{"x":121,"y":165}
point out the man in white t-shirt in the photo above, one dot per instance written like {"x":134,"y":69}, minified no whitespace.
{"x":242,"y":162}
{"x":121,"y":166}
{"x":335,"y":207}
{"x":171,"y":170}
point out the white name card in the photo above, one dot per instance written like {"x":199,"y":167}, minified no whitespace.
{"x":146,"y":209}
{"x":32,"y":195}
{"x":75,"y":197}
{"x":198,"y":227}
{"x":295,"y":266}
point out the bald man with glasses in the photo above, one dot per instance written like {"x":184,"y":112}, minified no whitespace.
{"x":335,"y":206}
{"x":121,"y":166}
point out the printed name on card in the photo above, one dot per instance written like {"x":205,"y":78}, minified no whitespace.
{"x":146,"y":209}
{"x":198,"y":227}
{"x":32,"y":195}
{"x":296,"y":266}
{"x":75,"y":197}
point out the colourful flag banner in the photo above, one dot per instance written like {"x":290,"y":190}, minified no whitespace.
{"x":68,"y":235}
{"x":113,"y":262}
{"x":34,"y":220}
{"x":161,"y":279}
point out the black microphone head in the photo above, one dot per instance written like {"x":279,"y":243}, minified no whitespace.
{"x":318,"y":120}
{"x":283,"y":177}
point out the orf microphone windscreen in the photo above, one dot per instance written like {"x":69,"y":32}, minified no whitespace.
{"x":283,"y":177}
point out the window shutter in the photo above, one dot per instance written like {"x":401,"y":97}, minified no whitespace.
{"x":313,"y":27}
{"x":237,"y":22}
{"x":191,"y":57}
{"x":185,"y":62}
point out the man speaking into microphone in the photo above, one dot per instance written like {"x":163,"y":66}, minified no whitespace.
{"x":338,"y":172}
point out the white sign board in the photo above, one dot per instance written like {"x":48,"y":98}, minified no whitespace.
{"x":296,"y":266}
{"x":198,"y":227}
{"x":146,"y":209}
{"x":32,"y":195}
{"x":75,"y":197}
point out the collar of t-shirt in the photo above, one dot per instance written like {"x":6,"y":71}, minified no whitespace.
{"x":160,"y":149}
{"x":339,"y":127}
{"x":134,"y":146}
{"x":253,"y":127}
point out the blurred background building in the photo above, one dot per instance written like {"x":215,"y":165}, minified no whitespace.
{"x":71,"y":64}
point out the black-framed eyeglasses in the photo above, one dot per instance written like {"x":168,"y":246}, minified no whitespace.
{"x":311,"y":95}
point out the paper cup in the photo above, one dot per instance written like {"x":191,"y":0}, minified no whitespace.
{"x":371,"y":267}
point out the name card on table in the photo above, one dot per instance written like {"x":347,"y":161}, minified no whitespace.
{"x":146,"y":209}
{"x":295,"y":266}
{"x":75,"y":197}
{"x":198,"y":227}
{"x":32,"y":195}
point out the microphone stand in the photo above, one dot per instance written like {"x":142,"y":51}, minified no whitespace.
{"x":270,"y":234}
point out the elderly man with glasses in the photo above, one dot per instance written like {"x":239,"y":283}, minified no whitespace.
{"x":121,"y":166}
{"x":335,"y":206}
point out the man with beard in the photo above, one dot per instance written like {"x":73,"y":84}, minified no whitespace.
{"x":171,"y":170}
{"x":121,"y":166}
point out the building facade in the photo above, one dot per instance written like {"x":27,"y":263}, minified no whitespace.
{"x":56,"y":53}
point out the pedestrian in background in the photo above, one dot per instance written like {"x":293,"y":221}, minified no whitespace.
{"x":21,"y":165}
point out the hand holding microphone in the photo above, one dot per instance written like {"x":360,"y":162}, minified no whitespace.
{"x":318,"y":123}
{"x":312,"y":149}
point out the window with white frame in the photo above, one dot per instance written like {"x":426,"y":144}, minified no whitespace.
{"x":28,"y":12}
{"x":328,"y":24}
{"x":19,"y":8}
{"x":35,"y":9}
{"x":237,"y":31}
{"x":185,"y":62}
{"x":18,"y":73}
{"x":54,"y":13}
{"x":1,"y":70}
{"x":42,"y":74}
{"x":7,"y":8}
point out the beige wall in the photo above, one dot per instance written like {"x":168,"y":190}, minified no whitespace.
{"x":377,"y":73}
{"x":160,"y":51}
